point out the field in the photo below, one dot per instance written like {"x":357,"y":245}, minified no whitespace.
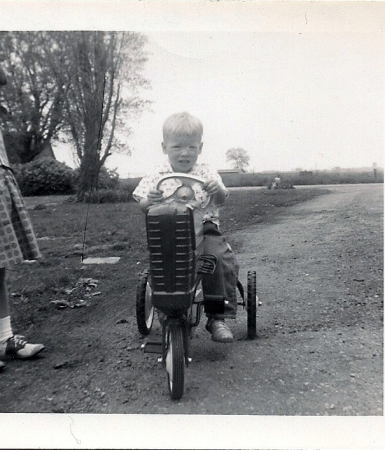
{"x":305,"y":178}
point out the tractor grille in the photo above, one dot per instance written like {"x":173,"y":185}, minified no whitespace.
{"x":171,"y":242}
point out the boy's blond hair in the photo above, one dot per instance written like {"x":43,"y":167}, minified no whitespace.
{"x":182,"y":123}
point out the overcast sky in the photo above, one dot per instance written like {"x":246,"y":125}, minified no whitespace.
{"x":297,"y":85}
{"x":289,"y":99}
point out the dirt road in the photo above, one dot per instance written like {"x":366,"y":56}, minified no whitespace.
{"x":319,"y":349}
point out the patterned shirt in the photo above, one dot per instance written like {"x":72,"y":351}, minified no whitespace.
{"x":202,"y":171}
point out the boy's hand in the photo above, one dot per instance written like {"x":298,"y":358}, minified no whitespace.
{"x":154,"y":197}
{"x":213,"y":188}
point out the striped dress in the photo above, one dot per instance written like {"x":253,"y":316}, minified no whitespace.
{"x":17,"y":238}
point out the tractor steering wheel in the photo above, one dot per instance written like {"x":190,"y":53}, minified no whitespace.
{"x":185,"y":188}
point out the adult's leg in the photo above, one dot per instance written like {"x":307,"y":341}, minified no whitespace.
{"x":4,"y":305}
{"x":12,"y":345}
{"x":5,"y":320}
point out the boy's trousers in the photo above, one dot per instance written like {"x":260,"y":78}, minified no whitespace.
{"x":223,"y":282}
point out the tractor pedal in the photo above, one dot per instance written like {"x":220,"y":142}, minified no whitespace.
{"x":153,"y":347}
{"x":207,"y":264}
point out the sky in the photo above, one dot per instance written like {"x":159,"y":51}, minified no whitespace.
{"x":291,"y":100}
{"x":296,"y":85}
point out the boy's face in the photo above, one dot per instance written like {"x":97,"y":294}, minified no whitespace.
{"x":183,"y":151}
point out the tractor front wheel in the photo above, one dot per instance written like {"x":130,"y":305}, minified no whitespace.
{"x":175,"y":360}
{"x":144,"y":307}
{"x":251,"y":305}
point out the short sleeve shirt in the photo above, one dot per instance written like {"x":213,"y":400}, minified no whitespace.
{"x":200,"y":170}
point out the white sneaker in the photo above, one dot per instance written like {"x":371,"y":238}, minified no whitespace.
{"x":18,"y":347}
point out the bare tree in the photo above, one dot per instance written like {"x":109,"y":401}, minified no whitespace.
{"x":238,"y":158}
{"x":99,"y":80}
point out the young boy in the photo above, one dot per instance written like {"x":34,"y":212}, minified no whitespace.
{"x":182,"y":143}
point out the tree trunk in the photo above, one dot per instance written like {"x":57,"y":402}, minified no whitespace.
{"x":88,"y":176}
{"x":93,"y":88}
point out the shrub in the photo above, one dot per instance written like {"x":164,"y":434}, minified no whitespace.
{"x":110,"y":196}
{"x":108,"y":179}
{"x":112,"y":189}
{"x":45,"y":177}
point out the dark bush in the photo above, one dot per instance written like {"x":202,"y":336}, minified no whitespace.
{"x":110,"y":196}
{"x":45,"y":177}
{"x":108,"y":179}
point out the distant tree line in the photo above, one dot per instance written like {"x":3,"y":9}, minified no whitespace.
{"x":297,"y":179}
